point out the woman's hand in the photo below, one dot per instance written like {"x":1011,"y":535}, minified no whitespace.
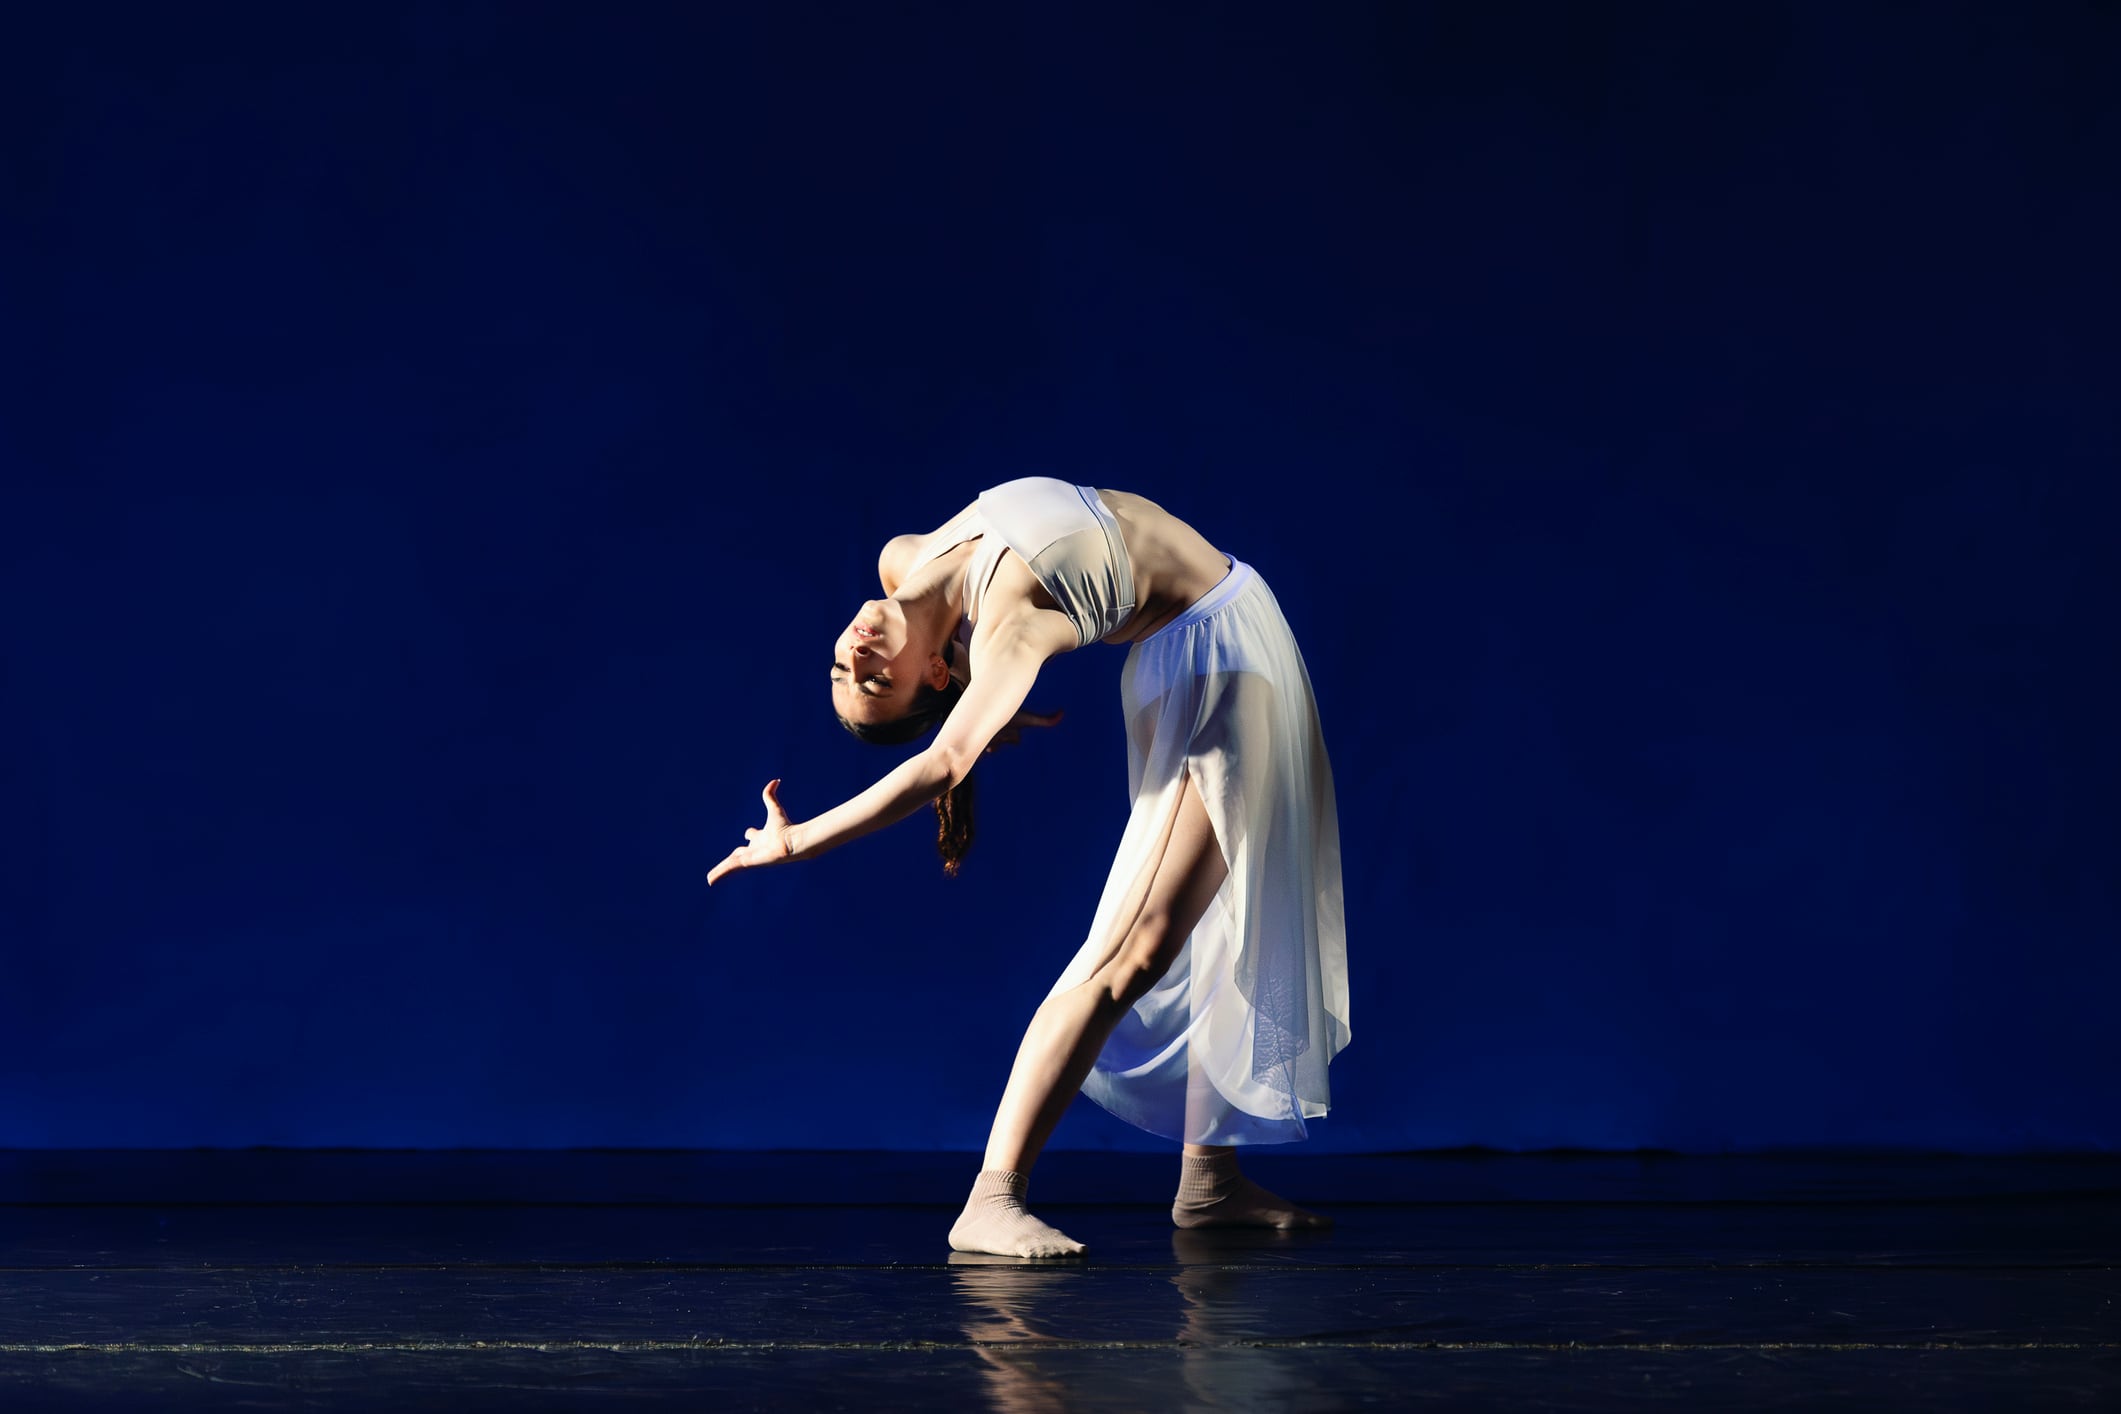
{"x":1011,"y":734}
{"x":767,"y":846}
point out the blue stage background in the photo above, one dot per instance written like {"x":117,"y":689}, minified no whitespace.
{"x":442,"y":441}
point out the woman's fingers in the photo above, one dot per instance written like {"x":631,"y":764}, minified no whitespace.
{"x":1013,"y":733}
{"x":749,"y":853}
{"x":738,"y":858}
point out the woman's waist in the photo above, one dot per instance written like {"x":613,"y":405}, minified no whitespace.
{"x":1162,"y":612}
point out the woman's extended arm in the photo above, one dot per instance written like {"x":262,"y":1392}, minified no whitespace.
{"x":1011,"y":658}
{"x":910,"y":785}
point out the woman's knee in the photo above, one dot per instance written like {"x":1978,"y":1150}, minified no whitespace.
{"x":1151,"y":946}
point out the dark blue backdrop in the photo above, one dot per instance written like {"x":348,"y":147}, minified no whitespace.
{"x":441,"y":442}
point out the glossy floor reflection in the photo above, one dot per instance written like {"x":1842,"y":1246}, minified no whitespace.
{"x":1212,"y":1309}
{"x":384,"y":1282}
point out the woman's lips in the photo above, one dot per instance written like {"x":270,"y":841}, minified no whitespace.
{"x":867,"y":632}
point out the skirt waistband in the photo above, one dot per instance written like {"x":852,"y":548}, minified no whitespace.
{"x":1215,"y":600}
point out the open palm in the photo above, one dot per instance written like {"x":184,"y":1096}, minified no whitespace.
{"x":764,"y":846}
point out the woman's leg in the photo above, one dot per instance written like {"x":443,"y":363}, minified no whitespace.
{"x":1070,"y":1028}
{"x":1213,"y":1193}
{"x":1174,"y":889}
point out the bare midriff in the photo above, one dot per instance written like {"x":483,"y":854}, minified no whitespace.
{"x":1174,"y":565}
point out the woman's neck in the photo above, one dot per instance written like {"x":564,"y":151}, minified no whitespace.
{"x":933,"y":600}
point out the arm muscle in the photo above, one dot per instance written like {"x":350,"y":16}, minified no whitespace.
{"x":1009,"y":654}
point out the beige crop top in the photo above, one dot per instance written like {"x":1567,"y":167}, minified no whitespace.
{"x":1064,"y":533}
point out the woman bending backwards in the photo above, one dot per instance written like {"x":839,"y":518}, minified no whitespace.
{"x":1212,"y":989}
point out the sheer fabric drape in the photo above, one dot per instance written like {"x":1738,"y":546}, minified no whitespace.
{"x":1231,"y":1046}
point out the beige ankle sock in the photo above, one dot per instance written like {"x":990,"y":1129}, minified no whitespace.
{"x":1212,"y":1192}
{"x":995,"y":1221}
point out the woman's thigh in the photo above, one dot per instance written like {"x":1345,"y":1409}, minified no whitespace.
{"x":1173,"y":888}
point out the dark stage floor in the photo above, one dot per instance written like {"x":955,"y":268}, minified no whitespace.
{"x":532,"y":1281}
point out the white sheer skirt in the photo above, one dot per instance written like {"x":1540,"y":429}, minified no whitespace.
{"x":1231,"y":1045}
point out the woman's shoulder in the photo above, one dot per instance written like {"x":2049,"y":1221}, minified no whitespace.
{"x":1017,"y":615}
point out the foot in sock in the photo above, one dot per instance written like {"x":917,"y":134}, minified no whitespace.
{"x":1213,"y":1193}
{"x":994,"y":1221}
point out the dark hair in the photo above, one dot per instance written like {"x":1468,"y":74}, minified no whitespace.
{"x":953,"y":808}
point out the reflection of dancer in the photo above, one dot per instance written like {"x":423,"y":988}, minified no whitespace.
{"x":1211,"y":991}
{"x":1008,"y":1317}
{"x":1226,"y":1311}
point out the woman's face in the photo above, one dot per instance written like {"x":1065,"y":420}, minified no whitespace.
{"x":875,"y":671}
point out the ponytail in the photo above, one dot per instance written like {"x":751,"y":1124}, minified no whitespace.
{"x":953,"y":824}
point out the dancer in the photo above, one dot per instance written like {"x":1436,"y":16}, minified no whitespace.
{"x":1211,"y":991}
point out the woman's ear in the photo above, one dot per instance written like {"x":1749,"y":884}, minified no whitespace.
{"x":938,"y":672}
